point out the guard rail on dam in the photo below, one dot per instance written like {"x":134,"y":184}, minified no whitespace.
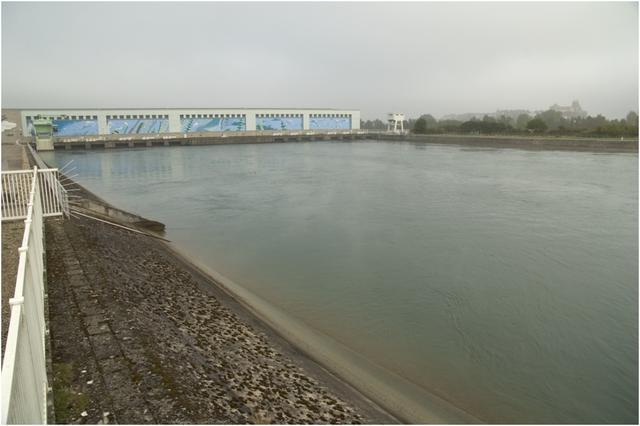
{"x":31,"y":195}
{"x":205,"y":138}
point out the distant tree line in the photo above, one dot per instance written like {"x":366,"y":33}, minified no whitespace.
{"x":549,"y":122}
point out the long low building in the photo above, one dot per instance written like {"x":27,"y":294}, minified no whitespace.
{"x":84,"y":122}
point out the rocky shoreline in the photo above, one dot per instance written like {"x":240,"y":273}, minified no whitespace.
{"x":139,"y":338}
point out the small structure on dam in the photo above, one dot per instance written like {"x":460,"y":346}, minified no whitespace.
{"x":43,"y":130}
{"x":394,"y":119}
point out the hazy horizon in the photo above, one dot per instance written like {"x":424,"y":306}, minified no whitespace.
{"x":416,"y":58}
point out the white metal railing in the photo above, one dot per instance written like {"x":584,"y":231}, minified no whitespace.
{"x":24,"y":376}
{"x":41,"y":164}
{"x":55,"y":183}
{"x":16,"y":186}
{"x":15,"y":193}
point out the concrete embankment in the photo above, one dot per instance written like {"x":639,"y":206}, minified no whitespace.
{"x":520,"y":142}
{"x":140,"y":336}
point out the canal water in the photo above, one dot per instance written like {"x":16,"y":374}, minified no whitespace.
{"x":504,"y":281}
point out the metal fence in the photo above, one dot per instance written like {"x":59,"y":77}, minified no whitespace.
{"x":24,"y":376}
{"x":16,"y":188}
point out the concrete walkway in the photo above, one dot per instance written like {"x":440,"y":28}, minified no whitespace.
{"x":92,"y":382}
{"x":14,"y":157}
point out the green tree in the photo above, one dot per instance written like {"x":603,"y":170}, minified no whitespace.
{"x":506,"y":120}
{"x":553,"y":119}
{"x":522,"y":120}
{"x":420,"y":126}
{"x":632,"y":119}
{"x":537,"y":125}
{"x":449,"y":125}
{"x":430,"y":121}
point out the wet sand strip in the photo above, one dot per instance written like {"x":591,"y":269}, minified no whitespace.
{"x":138,"y":338}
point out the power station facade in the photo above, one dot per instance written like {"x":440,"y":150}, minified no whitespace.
{"x":77,"y":122}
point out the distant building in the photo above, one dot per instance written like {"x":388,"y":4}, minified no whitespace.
{"x":465,"y":117}
{"x":572,"y":111}
{"x":511,"y":113}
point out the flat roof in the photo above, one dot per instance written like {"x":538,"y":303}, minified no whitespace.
{"x":164,"y":108}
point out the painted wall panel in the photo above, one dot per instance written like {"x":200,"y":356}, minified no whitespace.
{"x":241,"y":120}
{"x":75,"y":127}
{"x":278,"y":123}
{"x":135,"y":126}
{"x":218,"y":124}
{"x":325,"y":123}
{"x":69,"y":127}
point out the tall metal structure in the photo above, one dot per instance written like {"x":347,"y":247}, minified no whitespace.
{"x":394,"y":119}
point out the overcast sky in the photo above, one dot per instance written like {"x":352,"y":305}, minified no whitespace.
{"x":416,"y":58}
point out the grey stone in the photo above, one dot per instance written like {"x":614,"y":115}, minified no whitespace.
{"x":104,"y":346}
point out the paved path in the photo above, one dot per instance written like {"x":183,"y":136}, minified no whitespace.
{"x":14,"y":157}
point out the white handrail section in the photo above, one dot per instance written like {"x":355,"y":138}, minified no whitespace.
{"x":62,"y":195}
{"x":24,"y":376}
{"x":16,"y":188}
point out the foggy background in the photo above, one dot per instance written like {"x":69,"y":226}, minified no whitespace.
{"x":416,"y":58}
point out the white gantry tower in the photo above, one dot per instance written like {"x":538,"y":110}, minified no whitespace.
{"x":394,"y":119}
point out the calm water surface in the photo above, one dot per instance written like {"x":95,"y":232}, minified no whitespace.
{"x":504,"y":281}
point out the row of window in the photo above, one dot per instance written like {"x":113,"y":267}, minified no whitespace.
{"x":278,"y":115}
{"x":212,"y":116}
{"x":156,"y":116}
{"x":109,"y":117}
{"x":68,"y":117}
{"x":136,"y":116}
{"x":330,"y":115}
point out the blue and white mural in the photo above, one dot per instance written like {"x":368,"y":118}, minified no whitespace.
{"x":68,"y":127}
{"x":342,"y":123}
{"x":278,"y":123}
{"x":218,"y":124}
{"x":75,"y":127}
{"x":143,"y":125}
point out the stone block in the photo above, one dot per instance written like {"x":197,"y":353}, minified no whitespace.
{"x":104,"y":346}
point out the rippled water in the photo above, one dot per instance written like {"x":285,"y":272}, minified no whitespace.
{"x":504,"y":281}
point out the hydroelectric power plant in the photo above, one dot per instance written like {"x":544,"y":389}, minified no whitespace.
{"x":110,"y":128}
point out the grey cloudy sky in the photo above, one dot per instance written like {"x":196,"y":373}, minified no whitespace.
{"x":436,"y":58}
